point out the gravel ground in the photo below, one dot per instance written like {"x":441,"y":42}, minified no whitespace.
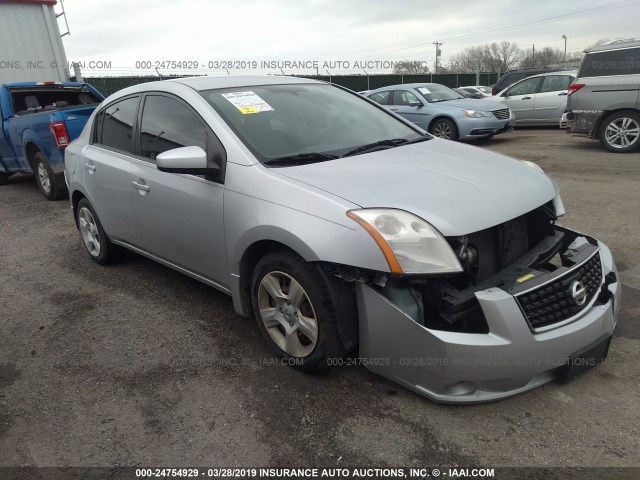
{"x":135,"y":364}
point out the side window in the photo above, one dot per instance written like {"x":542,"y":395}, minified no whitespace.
{"x":114,"y":125}
{"x":555,"y":83}
{"x":525,"y":87}
{"x":381,"y":97}
{"x":167,"y":124}
{"x":404,"y":97}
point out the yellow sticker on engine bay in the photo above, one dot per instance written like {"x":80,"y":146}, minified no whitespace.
{"x":526,"y":277}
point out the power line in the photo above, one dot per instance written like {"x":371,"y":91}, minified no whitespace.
{"x":502,"y":29}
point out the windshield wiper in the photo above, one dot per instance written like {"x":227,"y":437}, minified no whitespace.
{"x":392,"y":142}
{"x":300,"y":159}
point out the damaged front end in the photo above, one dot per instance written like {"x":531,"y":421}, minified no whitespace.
{"x":531,"y":294}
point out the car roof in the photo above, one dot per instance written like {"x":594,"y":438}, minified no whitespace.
{"x":231,"y":81}
{"x":615,"y":45}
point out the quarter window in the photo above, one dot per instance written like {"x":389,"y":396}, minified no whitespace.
{"x":168,"y":124}
{"x":114,"y":127}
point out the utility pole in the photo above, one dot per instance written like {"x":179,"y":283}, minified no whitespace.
{"x":533,"y":56}
{"x":438,"y":52}
{"x":565,"y":50}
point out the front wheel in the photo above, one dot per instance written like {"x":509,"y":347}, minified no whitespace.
{"x":444,"y":128}
{"x":620,"y":132}
{"x":296,"y":311}
{"x":50,"y":184}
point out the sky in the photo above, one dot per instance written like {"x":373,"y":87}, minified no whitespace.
{"x":131,"y":37}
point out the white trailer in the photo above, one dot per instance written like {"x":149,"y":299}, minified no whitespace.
{"x":30,"y":44}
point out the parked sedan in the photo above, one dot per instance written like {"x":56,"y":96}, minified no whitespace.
{"x":340,"y":226}
{"x":482,"y":90}
{"x":443,"y":112}
{"x":538,"y":100}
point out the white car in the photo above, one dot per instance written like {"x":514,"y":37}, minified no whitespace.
{"x":482,"y":90}
{"x":538,"y":100}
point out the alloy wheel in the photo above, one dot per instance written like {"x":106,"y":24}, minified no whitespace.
{"x":622,"y":132}
{"x":89,"y":231}
{"x":43,"y":178}
{"x":287,"y":314}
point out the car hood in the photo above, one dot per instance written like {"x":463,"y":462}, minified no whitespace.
{"x":457,"y":188}
{"x":471,"y":104}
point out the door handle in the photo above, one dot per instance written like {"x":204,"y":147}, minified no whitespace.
{"x":562,"y":93}
{"x":91,"y":168}
{"x":526,"y":98}
{"x":141,"y":186}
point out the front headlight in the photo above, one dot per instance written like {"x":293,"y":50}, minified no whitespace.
{"x":476,"y":113}
{"x":409,"y":244}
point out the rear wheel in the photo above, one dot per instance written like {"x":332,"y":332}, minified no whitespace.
{"x":96,"y":242}
{"x":620,"y":132}
{"x":296,"y":311}
{"x":444,"y":128}
{"x":50,"y":184}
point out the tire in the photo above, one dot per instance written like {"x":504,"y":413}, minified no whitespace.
{"x":620,"y":132}
{"x":444,"y":128}
{"x":303,"y":329}
{"x":50,"y":184}
{"x":95,"y":241}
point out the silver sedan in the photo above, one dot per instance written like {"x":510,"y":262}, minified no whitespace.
{"x":341,"y":227}
{"x":444,"y":112}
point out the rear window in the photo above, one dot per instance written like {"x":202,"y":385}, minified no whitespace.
{"x":39,"y":99}
{"x":612,"y":62}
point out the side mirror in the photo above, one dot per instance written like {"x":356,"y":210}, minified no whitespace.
{"x":189,"y":160}
{"x":415,"y":103}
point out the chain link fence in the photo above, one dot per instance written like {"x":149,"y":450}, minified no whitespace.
{"x":358,"y":83}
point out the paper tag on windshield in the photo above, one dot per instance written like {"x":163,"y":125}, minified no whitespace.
{"x":247,"y":102}
{"x":424,"y":90}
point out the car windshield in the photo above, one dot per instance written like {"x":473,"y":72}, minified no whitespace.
{"x":434,"y":93}
{"x":303,"y":123}
{"x":484,"y":89}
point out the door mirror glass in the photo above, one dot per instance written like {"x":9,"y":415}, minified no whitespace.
{"x":415,"y":103}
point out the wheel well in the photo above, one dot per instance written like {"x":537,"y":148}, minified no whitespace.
{"x":440,"y":118}
{"x":250,"y":258}
{"x":75,"y":199}
{"x":31,"y":149}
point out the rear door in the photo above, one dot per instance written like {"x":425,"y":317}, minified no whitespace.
{"x":551,"y":101}
{"x":408,"y":105}
{"x":107,"y":169}
{"x":180,"y":216}
{"x":521,"y":98}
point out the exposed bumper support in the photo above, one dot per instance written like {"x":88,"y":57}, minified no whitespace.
{"x":471,"y":368}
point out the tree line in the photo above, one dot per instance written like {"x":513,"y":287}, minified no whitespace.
{"x":497,"y":57}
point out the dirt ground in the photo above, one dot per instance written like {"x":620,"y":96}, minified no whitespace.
{"x":135,"y":364}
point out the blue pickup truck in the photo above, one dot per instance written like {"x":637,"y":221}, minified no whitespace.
{"x":37,"y":121}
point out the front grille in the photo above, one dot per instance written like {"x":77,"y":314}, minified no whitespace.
{"x":503,"y":114}
{"x":553,"y":302}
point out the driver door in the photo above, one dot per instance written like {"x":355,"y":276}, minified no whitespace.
{"x":520,"y":98}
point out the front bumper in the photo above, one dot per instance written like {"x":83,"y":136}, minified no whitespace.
{"x":472,"y":128}
{"x":457,"y":367}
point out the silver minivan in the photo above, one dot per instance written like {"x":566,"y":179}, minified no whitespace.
{"x":342,"y":227}
{"x":604,"y":101}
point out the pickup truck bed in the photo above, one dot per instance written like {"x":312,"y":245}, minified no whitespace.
{"x":38,"y":120}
